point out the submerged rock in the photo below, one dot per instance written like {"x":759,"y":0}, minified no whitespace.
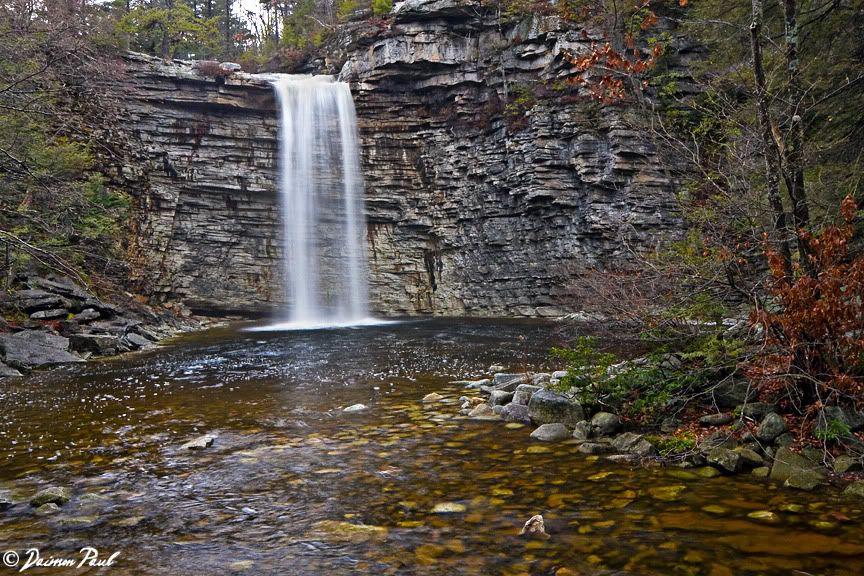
{"x":551,"y":433}
{"x":355,"y":408}
{"x":199,"y":443}
{"x":432,"y":397}
{"x":448,"y":508}
{"x":54,"y":495}
{"x":535,"y":527}
{"x":46,"y":509}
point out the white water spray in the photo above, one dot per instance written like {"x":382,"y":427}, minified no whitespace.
{"x":321,"y":191}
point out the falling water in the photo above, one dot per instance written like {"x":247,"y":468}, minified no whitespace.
{"x":321,"y":191}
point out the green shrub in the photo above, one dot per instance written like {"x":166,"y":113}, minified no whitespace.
{"x":381,"y":7}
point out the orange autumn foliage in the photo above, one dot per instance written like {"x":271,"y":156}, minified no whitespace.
{"x":816,"y":341}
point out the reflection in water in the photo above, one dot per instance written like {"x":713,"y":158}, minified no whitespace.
{"x":294,"y":486}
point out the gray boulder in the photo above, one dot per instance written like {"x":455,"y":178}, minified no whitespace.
{"x":95,"y":343}
{"x":87,"y":315}
{"x":632,"y":443}
{"x":515,"y":413}
{"x":523,"y":393}
{"x":35,"y":300}
{"x":605,"y":424}
{"x":595,"y":448}
{"x":502,"y":379}
{"x":547,"y":407}
{"x":500,"y":398}
{"x":802,"y":471}
{"x":7,"y":371}
{"x":51,"y":314}
{"x":772,"y":426}
{"x":725,"y":459}
{"x":731,"y":392}
{"x":551,"y":433}
{"x":715,"y":419}
{"x":757,"y":410}
{"x":582,"y":430}
{"x":34,"y":349}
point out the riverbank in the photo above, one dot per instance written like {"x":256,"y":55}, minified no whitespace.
{"x":49,"y":321}
{"x":728,"y":433}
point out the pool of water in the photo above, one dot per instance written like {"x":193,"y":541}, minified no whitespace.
{"x":292,"y":485}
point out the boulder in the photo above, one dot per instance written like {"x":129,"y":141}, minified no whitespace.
{"x":582,"y":430}
{"x":846,"y":415}
{"x":548,"y":407}
{"x":483,"y":412}
{"x":501,"y":379}
{"x":726,"y":460}
{"x":87,"y":315}
{"x":605,"y":424}
{"x":96,"y":343}
{"x":54,"y":495}
{"x":772,"y":426}
{"x":199,"y":443}
{"x":515,"y":413}
{"x":731,"y":392}
{"x":35,"y":300}
{"x":595,"y":448}
{"x":756,"y":410}
{"x":500,"y":397}
{"x":432,"y":397}
{"x":34,"y":349}
{"x":804,"y":480}
{"x":632,"y":443}
{"x":135,"y":341}
{"x":6,"y":371}
{"x":355,"y":408}
{"x":524,"y":392}
{"x":855,"y":489}
{"x":715,"y":419}
{"x":551,"y":433}
{"x":788,"y":464}
{"x":541,"y":378}
{"x":846,"y":463}
{"x":750,"y":458}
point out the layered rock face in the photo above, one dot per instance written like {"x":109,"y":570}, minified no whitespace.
{"x":490,"y":187}
{"x":200,"y":164}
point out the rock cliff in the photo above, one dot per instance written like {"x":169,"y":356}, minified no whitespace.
{"x":490,"y":185}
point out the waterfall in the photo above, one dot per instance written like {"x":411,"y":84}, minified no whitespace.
{"x":321,"y":195}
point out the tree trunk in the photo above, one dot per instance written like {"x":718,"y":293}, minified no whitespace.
{"x":770,"y":149}
{"x":794,"y":156}
{"x":209,"y":8}
{"x":227,"y":29}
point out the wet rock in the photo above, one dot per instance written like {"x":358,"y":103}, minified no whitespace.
{"x":355,"y":408}
{"x":732,"y":392}
{"x":632,"y":443}
{"x":515,"y":413}
{"x":6,"y":501}
{"x":483,"y":412}
{"x":500,"y":398}
{"x":667,"y":493}
{"x":605,"y":424}
{"x":496,"y":368}
{"x":348,"y":533}
{"x":102,"y":344}
{"x":472,"y":384}
{"x":34,"y":349}
{"x":788,"y":465}
{"x":804,"y":480}
{"x":199,"y":443}
{"x":750,"y":458}
{"x":135,"y":341}
{"x":761,"y":472}
{"x":548,"y":407}
{"x":54,"y":495}
{"x":582,"y":430}
{"x":448,"y":508}
{"x":432,"y":397}
{"x":6,"y":371}
{"x":595,"y":448}
{"x":846,"y":463}
{"x":523,"y":393}
{"x":46,"y":509}
{"x":535,"y":527}
{"x":772,"y":426}
{"x":764,"y":516}
{"x":501,"y":380}
{"x":715,"y":420}
{"x":855,"y":489}
{"x":725,"y":459}
{"x":551,"y":433}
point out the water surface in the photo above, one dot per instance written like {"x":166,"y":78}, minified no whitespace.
{"x":292,"y":485}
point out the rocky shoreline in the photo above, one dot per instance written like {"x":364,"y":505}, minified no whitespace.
{"x":752,"y":438}
{"x":48,"y":321}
